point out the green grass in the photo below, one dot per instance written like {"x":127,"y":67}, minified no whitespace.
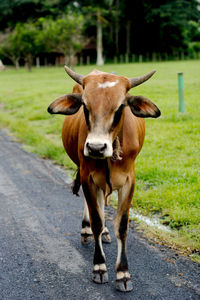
{"x":168,"y":167}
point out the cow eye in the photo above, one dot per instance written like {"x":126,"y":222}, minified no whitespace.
{"x":86,"y":112}
{"x":117,"y":115}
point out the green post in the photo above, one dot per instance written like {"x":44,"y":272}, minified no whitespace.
{"x":181,"y":92}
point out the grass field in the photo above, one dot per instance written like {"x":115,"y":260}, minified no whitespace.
{"x":168,"y":168}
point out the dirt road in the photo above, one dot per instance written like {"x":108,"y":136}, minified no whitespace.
{"x":41,"y":256}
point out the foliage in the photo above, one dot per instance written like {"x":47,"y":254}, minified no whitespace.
{"x":167,"y":169}
{"x":10,"y":46}
{"x":21,"y":43}
{"x":63,"y":35}
{"x":192,"y":37}
{"x":27,"y":36}
{"x":173,"y":17}
{"x":138,"y":27}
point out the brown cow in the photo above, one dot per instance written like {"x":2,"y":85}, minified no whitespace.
{"x":103,"y":133}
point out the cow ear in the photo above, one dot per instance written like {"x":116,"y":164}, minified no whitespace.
{"x":143,"y":107}
{"x":66,"y":104}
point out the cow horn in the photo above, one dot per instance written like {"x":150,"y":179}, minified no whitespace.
{"x":77,"y":77}
{"x":138,"y":80}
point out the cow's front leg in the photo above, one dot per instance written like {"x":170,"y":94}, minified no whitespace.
{"x":86,"y":231}
{"x":101,"y":201}
{"x":99,"y":274}
{"x":123,"y":282}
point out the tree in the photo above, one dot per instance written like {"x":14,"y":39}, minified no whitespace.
{"x":21,"y":11}
{"x":119,"y":26}
{"x":63,"y":35}
{"x":192,"y":37}
{"x":10,"y":47}
{"x":27,"y":40}
{"x":166,"y":22}
{"x":17,"y":11}
{"x":22,"y":43}
{"x":27,"y":37}
{"x":100,"y":60}
{"x":96,"y":17}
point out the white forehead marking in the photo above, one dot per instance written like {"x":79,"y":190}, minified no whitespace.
{"x":107,"y":84}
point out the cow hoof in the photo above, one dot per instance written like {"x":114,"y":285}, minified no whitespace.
{"x":106,"y":238}
{"x":100,"y":274}
{"x":86,"y":239}
{"x":124,"y":285}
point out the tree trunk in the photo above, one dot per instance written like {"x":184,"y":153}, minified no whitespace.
{"x":2,"y":67}
{"x":29,"y":62}
{"x":37,"y":62}
{"x":128,"y":31}
{"x":57,"y":62}
{"x":100,"y":61}
{"x":67,"y":59}
{"x":45,"y":61}
{"x":71,"y":57}
{"x":16,"y":62}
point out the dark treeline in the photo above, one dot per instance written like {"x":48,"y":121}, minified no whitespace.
{"x":140,"y":27}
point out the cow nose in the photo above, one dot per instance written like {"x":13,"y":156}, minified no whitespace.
{"x":96,"y":150}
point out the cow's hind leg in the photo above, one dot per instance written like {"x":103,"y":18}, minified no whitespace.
{"x":86,"y":231}
{"x":91,"y":192}
{"x":106,"y":236}
{"x":123,"y":282}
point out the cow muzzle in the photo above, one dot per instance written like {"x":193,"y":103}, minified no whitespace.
{"x":98,"y":149}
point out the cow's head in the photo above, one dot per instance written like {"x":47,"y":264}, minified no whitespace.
{"x":103,"y":98}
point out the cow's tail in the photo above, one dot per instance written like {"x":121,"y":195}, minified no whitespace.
{"x":76,"y":184}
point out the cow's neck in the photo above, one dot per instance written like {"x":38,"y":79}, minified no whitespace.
{"x":117,"y":143}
